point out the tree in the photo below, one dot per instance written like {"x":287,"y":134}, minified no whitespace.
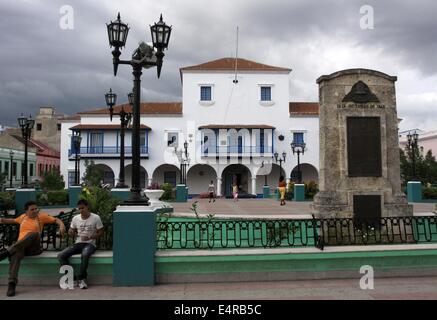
{"x":53,"y":180}
{"x":425,"y":166}
{"x":3,"y":177}
{"x":93,"y":175}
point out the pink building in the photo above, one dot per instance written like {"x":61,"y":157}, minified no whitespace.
{"x":47,"y":159}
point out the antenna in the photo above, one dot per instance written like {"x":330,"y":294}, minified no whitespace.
{"x":235,"y":81}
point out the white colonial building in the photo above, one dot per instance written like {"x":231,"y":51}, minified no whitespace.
{"x":233,"y":122}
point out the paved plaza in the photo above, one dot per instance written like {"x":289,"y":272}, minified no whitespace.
{"x":250,"y":207}
{"x":262,"y":207}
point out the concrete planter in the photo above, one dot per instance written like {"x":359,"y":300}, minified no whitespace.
{"x":154,"y":195}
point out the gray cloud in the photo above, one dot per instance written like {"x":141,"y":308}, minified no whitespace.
{"x":41,"y":64}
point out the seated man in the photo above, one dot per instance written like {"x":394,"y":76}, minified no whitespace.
{"x":29,"y":239}
{"x":88,"y":227}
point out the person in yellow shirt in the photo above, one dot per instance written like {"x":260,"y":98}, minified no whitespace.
{"x":282,"y":185}
{"x":29,"y":239}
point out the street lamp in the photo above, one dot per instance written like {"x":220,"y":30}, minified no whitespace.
{"x":143,"y":57}
{"x":298,"y":147}
{"x":77,"y":139}
{"x":184,"y":161}
{"x":11,"y":154}
{"x":125,"y":118}
{"x":26,"y":125}
{"x":412,"y":144}
{"x":280,"y":160}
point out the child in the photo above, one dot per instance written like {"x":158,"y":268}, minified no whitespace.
{"x":211,"y":191}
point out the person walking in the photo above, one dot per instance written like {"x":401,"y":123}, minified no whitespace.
{"x":88,"y":227}
{"x":29,"y":240}
{"x":235,"y":191}
{"x":211,"y":192}
{"x":282,"y":186}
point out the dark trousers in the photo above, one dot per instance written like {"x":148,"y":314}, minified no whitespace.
{"x":85,"y":249}
{"x":30,"y":245}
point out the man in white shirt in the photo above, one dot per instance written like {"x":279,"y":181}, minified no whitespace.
{"x":88,"y":227}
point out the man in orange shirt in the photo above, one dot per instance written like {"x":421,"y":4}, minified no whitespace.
{"x":29,"y":239}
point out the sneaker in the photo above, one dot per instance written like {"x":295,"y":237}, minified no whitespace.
{"x":11,"y":289}
{"x":82,"y":284}
{"x":4,"y":254}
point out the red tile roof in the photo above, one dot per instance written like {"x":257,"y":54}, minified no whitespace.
{"x":304,"y":108}
{"x":146,"y":108}
{"x":229,"y":64}
{"x":104,"y":127}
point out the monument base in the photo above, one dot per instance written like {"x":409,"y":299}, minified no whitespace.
{"x":328,"y":205}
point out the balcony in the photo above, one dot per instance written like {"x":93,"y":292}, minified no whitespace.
{"x":237,"y":151}
{"x":107,"y":152}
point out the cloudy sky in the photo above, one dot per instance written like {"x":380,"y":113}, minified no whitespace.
{"x":43,"y":63}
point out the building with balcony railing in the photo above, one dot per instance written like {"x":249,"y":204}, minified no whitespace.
{"x":233,"y":124}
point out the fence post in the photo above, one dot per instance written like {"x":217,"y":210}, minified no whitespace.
{"x":134,"y":245}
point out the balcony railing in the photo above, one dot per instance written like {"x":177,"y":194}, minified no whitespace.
{"x":104,"y":150}
{"x":241,"y":150}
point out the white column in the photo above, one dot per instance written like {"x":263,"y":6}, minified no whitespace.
{"x":219,"y":187}
{"x":254,"y":185}
{"x":149,"y":182}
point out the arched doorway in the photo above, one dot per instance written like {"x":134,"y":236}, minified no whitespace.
{"x":108,"y":174}
{"x":239,"y":174}
{"x":128,"y":176}
{"x":198,"y":178}
{"x":166,"y":173}
{"x":308,"y":172}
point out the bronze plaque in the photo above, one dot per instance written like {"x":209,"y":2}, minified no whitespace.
{"x":364,"y":147}
{"x":367,"y":209}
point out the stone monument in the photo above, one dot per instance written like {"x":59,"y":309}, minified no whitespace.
{"x":359,"y":150}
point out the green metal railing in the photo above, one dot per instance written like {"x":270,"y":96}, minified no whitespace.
{"x":185,"y":233}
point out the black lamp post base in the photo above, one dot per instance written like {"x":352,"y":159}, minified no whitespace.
{"x":121,"y":186}
{"x":136,"y":199}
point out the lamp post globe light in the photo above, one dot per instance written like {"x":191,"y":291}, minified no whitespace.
{"x":280,"y":160}
{"x":143,"y":57}
{"x":77,"y":139}
{"x":298,"y":147}
{"x":125,"y":118}
{"x":26,"y":125}
{"x":11,"y":155}
{"x":412,"y":144}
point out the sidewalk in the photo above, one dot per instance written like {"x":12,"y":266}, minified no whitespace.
{"x":387,"y":288}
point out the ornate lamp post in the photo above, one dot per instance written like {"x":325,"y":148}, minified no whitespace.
{"x":143,"y":57}
{"x":125,"y":118}
{"x":11,"y":154}
{"x":280,"y":160}
{"x":298,"y":148}
{"x":412,"y":144}
{"x":77,"y":139}
{"x":26,"y":125}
